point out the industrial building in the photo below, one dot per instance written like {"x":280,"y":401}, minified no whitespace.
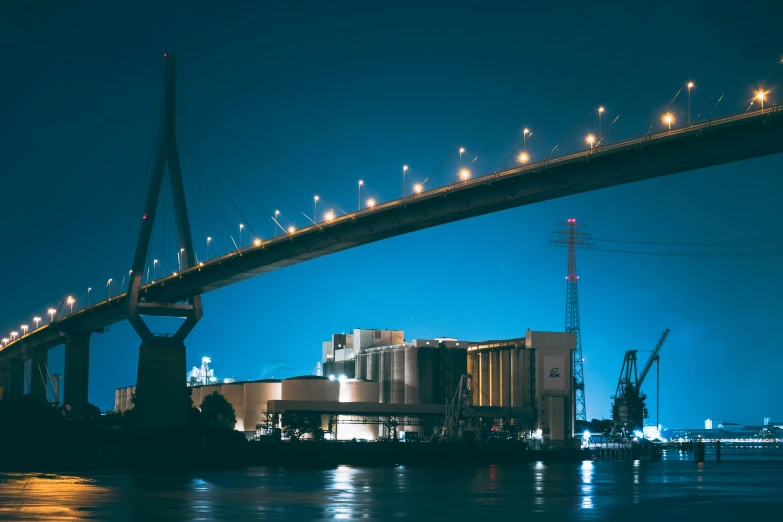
{"x":531,"y":376}
{"x":377,"y":385}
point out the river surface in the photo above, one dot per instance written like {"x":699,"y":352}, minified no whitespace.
{"x":739,"y":488}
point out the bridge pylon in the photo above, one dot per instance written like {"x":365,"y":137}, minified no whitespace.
{"x":160,"y":385}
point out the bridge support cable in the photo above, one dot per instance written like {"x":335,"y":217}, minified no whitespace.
{"x":244,"y":190}
{"x":209,"y":225}
{"x":280,"y":190}
{"x":211,"y":193}
{"x":209,"y":123}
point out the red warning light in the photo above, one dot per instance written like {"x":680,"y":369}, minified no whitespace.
{"x":144,"y":216}
{"x":164,"y":55}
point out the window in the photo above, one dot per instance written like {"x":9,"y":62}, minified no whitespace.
{"x":377,"y":334}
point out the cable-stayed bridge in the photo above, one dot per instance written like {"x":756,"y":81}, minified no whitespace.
{"x":739,"y":137}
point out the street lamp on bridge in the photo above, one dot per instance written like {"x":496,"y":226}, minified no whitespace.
{"x":591,"y":140}
{"x":315,"y":208}
{"x":417,"y":188}
{"x":70,"y":302}
{"x":51,"y":313}
{"x":404,"y":170}
{"x":329,"y":215}
{"x":209,"y":240}
{"x":154,"y":270}
{"x":461,"y":150}
{"x":761,"y":95}
{"x":24,"y":329}
{"x":668,"y":118}
{"x":241,"y":226}
{"x":88,"y":296}
{"x":690,"y":86}
{"x":291,"y":230}
{"x":257,"y":242}
{"x":359,"y":197}
{"x":276,"y":224}
{"x":6,"y":340}
{"x":108,"y":287}
{"x":464,"y":174}
{"x":600,"y":132}
{"x":14,"y":335}
{"x":36,"y":320}
{"x":370,"y":202}
{"x":523,"y":158}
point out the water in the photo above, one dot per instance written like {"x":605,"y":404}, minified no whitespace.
{"x":639,"y":491}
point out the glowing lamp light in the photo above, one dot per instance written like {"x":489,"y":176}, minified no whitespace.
{"x":523,"y":158}
{"x":257,"y":242}
{"x":371,"y":202}
{"x":342,"y":378}
{"x":329,"y":216}
{"x":464,"y":174}
{"x":690,"y":85}
{"x":331,"y":377}
{"x":668,"y":118}
{"x":291,"y":230}
{"x":417,"y":188}
{"x":590,"y":139}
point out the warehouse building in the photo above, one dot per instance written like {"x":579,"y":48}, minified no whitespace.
{"x":532,"y":373}
{"x":405,"y":386}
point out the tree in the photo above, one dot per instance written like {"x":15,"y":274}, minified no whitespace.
{"x":217,"y":411}
{"x":297,"y":425}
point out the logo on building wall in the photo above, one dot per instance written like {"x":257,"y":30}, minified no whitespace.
{"x":555,"y":372}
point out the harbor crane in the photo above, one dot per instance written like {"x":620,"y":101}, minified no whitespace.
{"x":629,"y":409}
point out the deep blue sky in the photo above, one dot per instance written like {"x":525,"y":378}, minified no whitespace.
{"x":330,"y":93}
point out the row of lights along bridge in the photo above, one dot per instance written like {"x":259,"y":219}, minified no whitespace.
{"x":464,"y":174}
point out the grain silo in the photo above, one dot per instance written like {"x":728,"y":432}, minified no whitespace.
{"x":372,"y":366}
{"x":234,"y":393}
{"x":385,"y":375}
{"x":196,"y":395}
{"x":398,"y":376}
{"x":412,"y":380}
{"x":361,"y":366}
{"x":310,"y":388}
{"x":257,"y":394}
{"x":209,"y":389}
{"x":357,"y":390}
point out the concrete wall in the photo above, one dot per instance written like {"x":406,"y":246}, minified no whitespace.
{"x":552,"y":352}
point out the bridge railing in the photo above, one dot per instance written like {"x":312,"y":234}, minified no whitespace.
{"x":456,"y":186}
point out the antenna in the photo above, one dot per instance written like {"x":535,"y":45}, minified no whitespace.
{"x":573,"y":238}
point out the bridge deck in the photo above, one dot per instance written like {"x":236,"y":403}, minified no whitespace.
{"x":726,"y":140}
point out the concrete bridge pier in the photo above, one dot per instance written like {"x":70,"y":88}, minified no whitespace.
{"x":161,"y":394}
{"x":12,"y":377}
{"x":39,"y":372}
{"x":77,"y":370}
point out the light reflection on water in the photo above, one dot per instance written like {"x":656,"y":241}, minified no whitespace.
{"x":550,"y":491}
{"x":587,"y":488}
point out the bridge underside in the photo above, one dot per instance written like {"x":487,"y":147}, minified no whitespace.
{"x":661,"y":155}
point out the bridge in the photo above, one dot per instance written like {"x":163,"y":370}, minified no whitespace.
{"x":713,"y":142}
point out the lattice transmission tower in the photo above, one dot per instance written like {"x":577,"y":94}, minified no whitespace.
{"x":573,"y":239}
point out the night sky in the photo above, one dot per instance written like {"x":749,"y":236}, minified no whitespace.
{"x":284,"y":100}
